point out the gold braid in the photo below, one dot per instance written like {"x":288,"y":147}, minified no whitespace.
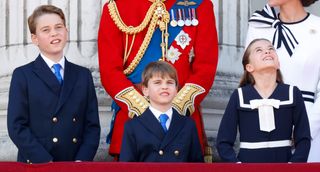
{"x":156,"y":15}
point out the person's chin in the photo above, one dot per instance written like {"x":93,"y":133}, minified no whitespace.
{"x":166,"y":101}
{"x":273,"y":3}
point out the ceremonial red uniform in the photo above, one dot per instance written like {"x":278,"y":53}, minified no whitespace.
{"x":198,"y":69}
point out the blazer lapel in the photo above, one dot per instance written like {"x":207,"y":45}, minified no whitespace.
{"x":176,"y":125}
{"x":152,"y":124}
{"x":69,"y":79}
{"x":41,"y":69}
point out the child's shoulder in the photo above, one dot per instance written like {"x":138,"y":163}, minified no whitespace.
{"x":79,"y":70}
{"x":184,"y":118}
{"x":24,"y":67}
{"x":250,"y":88}
{"x":78,"y":67}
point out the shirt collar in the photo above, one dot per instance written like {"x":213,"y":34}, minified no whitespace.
{"x":50,"y":63}
{"x":157,"y":113}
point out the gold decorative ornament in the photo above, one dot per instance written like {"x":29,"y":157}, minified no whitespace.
{"x":157,"y":15}
{"x":136,"y":103}
{"x":186,"y":3}
{"x":184,"y":100}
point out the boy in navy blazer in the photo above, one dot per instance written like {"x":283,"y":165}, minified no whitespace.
{"x":52,"y":110}
{"x":160,"y":134}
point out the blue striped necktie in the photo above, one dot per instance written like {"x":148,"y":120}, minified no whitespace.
{"x":163,"y":119}
{"x":57,"y":73}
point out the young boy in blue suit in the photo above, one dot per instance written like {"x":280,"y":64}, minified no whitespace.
{"x":52,"y":110}
{"x":160,"y":134}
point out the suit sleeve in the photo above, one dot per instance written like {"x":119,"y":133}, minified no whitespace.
{"x":228,"y":131}
{"x":18,"y":121}
{"x":301,"y":132}
{"x":110,"y":50}
{"x":204,"y":64}
{"x":128,"y":151}
{"x":91,"y":136}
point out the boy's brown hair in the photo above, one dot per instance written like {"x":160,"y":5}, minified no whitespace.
{"x":160,"y":68}
{"x":41,"y":10}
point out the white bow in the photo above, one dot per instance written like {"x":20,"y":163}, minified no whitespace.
{"x":266,"y":114}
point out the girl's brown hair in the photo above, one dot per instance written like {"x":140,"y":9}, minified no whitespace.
{"x":247,"y":77}
{"x":307,"y":3}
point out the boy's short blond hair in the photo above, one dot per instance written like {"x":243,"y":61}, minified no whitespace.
{"x":161,"y":68}
{"x":41,"y":10}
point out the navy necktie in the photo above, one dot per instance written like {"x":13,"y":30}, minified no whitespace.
{"x":163,"y":119}
{"x":57,"y":73}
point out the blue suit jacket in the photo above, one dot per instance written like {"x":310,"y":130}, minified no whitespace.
{"x":49,"y":122}
{"x":145,"y":141}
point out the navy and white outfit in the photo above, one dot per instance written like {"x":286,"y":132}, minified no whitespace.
{"x":299,"y":55}
{"x":259,"y":144}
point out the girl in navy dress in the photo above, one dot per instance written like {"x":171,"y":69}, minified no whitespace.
{"x":270,"y":116}
{"x":295,"y":33}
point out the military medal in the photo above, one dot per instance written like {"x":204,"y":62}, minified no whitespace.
{"x":183,"y":39}
{"x":173,"y":54}
{"x":180,"y":21}
{"x":173,"y":22}
{"x":188,"y":17}
{"x":194,"y":20}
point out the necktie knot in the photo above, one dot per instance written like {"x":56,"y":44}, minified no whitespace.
{"x":163,"y":119}
{"x":57,"y":73}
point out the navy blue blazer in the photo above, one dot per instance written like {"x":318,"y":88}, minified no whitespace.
{"x":144,"y":140}
{"x":49,"y":122}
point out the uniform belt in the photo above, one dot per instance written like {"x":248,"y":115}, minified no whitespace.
{"x":268,"y":144}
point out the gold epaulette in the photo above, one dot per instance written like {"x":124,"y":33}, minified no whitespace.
{"x":136,"y":103}
{"x":184,"y":100}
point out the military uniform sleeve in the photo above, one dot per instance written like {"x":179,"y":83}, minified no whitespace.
{"x":204,"y":64}
{"x":110,"y":49}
